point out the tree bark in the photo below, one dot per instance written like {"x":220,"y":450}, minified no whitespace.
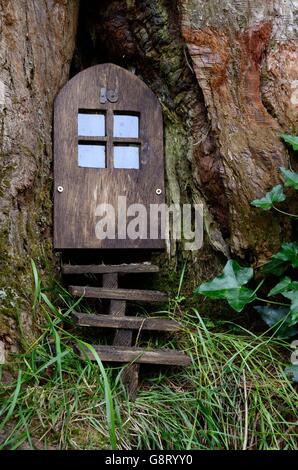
{"x":244,"y":56}
{"x":226,"y":74}
{"x":37,"y":43}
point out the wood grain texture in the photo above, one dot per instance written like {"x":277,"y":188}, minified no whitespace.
{"x":138,"y":355}
{"x":110,"y":280}
{"x":127,"y":322}
{"x":130,"y":378}
{"x":229,"y":47}
{"x":85,"y":188}
{"x":117,"y":309}
{"x":37,"y":43}
{"x":119,"y":294}
{"x":122,"y":337}
{"x":104,"y":268}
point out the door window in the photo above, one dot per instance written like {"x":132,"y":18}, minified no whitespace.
{"x":91,"y":124}
{"x":92,"y":155}
{"x":108,"y":140}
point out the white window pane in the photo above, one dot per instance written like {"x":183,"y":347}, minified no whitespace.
{"x":92,"y":156}
{"x":126,"y":156}
{"x":91,"y":125}
{"x":126,"y":126}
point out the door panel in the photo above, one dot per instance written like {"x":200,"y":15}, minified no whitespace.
{"x":105,"y":150}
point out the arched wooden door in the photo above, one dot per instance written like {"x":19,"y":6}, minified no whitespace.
{"x":108,"y":142}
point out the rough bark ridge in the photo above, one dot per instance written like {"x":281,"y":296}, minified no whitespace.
{"x":244,"y":52}
{"x":37,"y":42}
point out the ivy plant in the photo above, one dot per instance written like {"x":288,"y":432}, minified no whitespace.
{"x":279,"y":308}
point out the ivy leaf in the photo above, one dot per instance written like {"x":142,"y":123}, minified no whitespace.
{"x":275,"y":266}
{"x":239,"y":298}
{"x":291,"y":139}
{"x":275,"y":195}
{"x":234,"y":276}
{"x":229,"y":286}
{"x":274,"y":316}
{"x":293,"y":296}
{"x":292,"y":371}
{"x":282,"y":286}
{"x":288,"y":255}
{"x":290,"y":177}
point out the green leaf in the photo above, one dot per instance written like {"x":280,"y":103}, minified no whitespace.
{"x":292,"y":371}
{"x":13,"y":402}
{"x":278,"y":318}
{"x":272,"y":315}
{"x":288,"y":253}
{"x":229,"y":286}
{"x":290,"y":177}
{"x":275,"y":266}
{"x":110,"y":407}
{"x":287,"y":256}
{"x":37,"y":284}
{"x":238,"y":298}
{"x":275,"y":195}
{"x":233,"y":277}
{"x":282,"y":286}
{"x":293,"y":296}
{"x":291,"y":139}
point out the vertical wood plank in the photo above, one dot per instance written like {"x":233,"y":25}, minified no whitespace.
{"x":130,"y":375}
{"x":109,"y":131}
{"x":110,"y":280}
{"x":130,"y":378}
{"x":117,"y":307}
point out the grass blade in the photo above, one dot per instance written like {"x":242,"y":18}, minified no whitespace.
{"x":13,"y":401}
{"x":110,"y":411}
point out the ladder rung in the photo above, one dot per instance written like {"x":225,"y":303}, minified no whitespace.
{"x":120,"y":294}
{"x":138,"y":355}
{"x":110,"y":268}
{"x":128,"y":323}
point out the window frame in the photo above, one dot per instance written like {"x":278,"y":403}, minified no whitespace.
{"x":109,"y":140}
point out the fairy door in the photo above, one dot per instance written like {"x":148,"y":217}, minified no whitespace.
{"x":108,"y":161}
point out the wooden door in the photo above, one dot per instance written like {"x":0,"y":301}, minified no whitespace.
{"x":108,"y":142}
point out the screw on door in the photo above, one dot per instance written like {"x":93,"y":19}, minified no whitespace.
{"x":158,"y":191}
{"x":60,"y":189}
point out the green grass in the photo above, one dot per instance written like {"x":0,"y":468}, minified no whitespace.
{"x":234,"y":396}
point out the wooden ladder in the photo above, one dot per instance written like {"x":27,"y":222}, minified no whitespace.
{"x":122,"y":349}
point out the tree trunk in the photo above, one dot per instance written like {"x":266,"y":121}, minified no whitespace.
{"x":37,"y":43}
{"x":226,"y":74}
{"x":244,"y":56}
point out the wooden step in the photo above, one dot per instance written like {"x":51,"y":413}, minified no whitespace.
{"x":120,"y":294}
{"x":110,"y":268}
{"x":128,"y":323}
{"x":137,"y":355}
